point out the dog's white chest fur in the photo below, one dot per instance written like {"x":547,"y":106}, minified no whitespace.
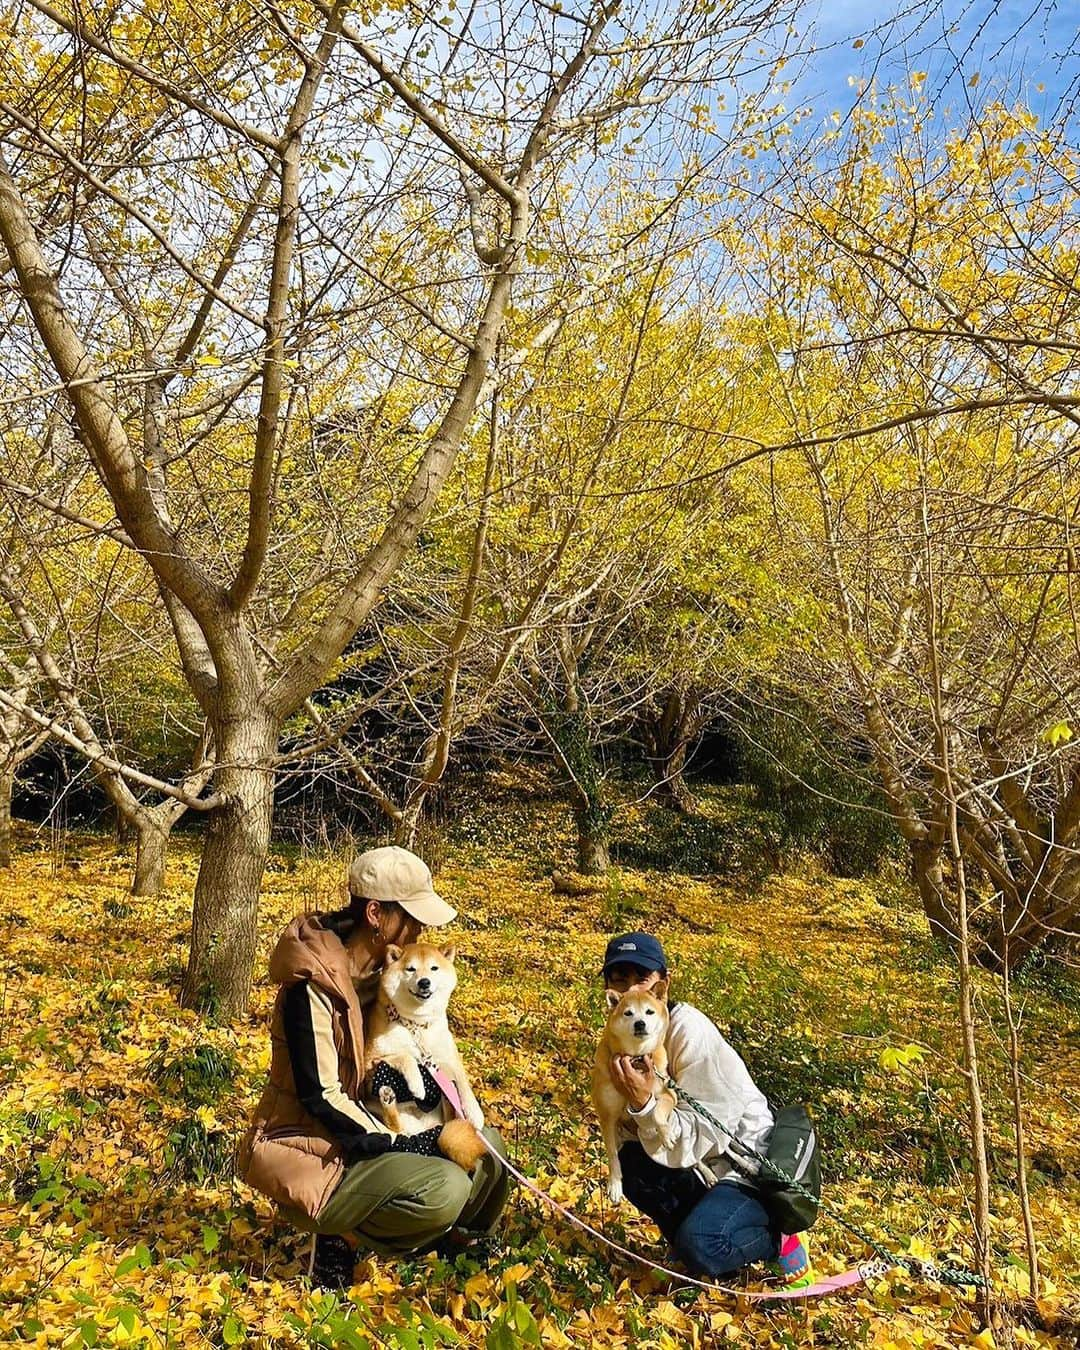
{"x":429,"y":1042}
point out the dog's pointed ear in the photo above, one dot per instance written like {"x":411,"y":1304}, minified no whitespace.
{"x":450,"y":952}
{"x":611,"y":998}
{"x":659,"y":989}
{"x":393,"y":953}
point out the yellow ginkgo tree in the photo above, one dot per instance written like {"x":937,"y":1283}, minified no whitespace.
{"x":205,"y":226}
{"x":922,"y":491}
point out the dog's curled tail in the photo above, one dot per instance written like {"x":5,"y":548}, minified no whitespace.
{"x":461,"y":1143}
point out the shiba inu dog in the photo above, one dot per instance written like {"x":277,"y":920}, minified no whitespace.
{"x":406,"y":1027}
{"x":637,"y":1025}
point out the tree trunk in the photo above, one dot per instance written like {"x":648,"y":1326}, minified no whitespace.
{"x":671,"y":786}
{"x":667,"y":733}
{"x":976,"y":1117}
{"x":408,"y":823}
{"x":124,"y":827}
{"x":225,"y":911}
{"x":930,"y":879}
{"x":977,"y":1125}
{"x":7,"y":784}
{"x":151,"y":845}
{"x":592,"y":848}
{"x":436,"y":751}
{"x":1019,"y":1140}
{"x":1045,"y":911}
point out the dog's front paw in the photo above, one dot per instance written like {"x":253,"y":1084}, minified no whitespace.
{"x":615,"y":1191}
{"x":475,"y":1116}
{"x":414,"y":1081}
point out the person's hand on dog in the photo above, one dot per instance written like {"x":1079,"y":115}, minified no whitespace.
{"x":635,"y":1078}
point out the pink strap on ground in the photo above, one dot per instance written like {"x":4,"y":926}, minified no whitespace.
{"x":830,"y":1285}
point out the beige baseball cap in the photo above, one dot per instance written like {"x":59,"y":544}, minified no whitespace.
{"x":393,"y":873}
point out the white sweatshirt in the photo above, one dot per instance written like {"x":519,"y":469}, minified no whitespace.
{"x":705,"y":1065}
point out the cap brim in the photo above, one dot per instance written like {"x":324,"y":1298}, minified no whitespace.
{"x":429,"y":909}
{"x":643,"y":963}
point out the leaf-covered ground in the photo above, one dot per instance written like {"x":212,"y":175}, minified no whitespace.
{"x":119,"y":1113}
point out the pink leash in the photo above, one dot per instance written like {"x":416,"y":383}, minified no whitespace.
{"x":870,"y":1270}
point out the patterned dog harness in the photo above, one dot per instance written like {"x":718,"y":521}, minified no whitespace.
{"x":385,"y":1076}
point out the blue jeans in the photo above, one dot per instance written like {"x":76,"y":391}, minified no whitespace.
{"x":714,"y":1230}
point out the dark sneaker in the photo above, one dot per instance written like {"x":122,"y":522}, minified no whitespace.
{"x":335,"y":1262}
{"x":478,"y":1247}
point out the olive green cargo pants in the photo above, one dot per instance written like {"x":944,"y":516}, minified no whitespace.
{"x":400,"y":1203}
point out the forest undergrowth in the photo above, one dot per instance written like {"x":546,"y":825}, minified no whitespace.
{"x":119,"y":1113}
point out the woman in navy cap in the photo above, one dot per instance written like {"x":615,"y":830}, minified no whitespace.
{"x":689,"y":1184}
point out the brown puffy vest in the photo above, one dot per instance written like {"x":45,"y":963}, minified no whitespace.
{"x":286,"y":1153}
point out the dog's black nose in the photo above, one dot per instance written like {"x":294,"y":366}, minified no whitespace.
{"x":639,"y":1027}
{"x":425,"y":983}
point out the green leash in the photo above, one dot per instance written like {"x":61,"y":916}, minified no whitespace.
{"x":953,"y":1275}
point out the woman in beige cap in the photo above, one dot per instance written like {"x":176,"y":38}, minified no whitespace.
{"x":312,"y":1147}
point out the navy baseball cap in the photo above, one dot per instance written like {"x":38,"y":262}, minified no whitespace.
{"x":635,"y":949}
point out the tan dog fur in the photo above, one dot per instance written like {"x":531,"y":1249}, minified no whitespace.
{"x":407,"y":1023}
{"x":627,"y":1013}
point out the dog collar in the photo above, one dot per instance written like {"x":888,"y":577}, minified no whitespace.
{"x":394,"y":1016}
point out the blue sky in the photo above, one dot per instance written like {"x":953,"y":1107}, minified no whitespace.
{"x":1013,"y":45}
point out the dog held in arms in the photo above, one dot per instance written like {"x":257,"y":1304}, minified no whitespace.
{"x":637,"y":1025}
{"x":406,"y":1028}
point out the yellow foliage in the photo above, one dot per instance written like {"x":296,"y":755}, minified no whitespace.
{"x":112,"y":1237}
